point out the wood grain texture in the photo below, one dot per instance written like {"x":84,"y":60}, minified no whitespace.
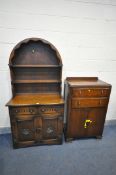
{"x":86,"y":81}
{"x":83,"y":31}
{"x":35,"y":99}
{"x":36,"y":108}
{"x":86,"y":107}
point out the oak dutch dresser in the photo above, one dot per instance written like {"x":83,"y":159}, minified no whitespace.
{"x":36,"y":109}
{"x":86,"y":106}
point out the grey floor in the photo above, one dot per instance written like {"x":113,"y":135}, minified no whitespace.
{"x":82,"y":157}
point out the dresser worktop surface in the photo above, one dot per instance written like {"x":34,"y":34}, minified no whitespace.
{"x":35,"y":99}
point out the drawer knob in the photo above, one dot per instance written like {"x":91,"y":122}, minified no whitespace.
{"x":89,"y":90}
{"x":16,"y":111}
{"x":42,"y":110}
{"x":102,"y":92}
{"x":31,"y":110}
{"x":79,"y":103}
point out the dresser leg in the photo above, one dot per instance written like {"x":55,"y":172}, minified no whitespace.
{"x":98,"y":137}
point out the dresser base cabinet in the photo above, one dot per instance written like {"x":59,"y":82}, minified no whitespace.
{"x":86,"y":106}
{"x":37,"y":129}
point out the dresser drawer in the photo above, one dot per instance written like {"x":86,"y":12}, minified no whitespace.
{"x":52,"y":110}
{"x":89,"y":102}
{"x":90,"y":92}
{"x":23,"y":110}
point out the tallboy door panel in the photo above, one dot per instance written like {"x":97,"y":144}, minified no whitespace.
{"x":86,"y":122}
{"x":97,"y":118}
{"x":76,"y":123}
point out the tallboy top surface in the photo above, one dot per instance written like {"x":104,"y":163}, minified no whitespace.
{"x":86,"y":81}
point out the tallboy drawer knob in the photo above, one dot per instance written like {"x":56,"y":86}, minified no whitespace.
{"x":89,"y":90}
{"x":102,"y":91}
{"x":43,"y":110}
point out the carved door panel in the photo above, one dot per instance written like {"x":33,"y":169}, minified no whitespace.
{"x":52,"y":127}
{"x":24,"y":128}
{"x":27,"y":128}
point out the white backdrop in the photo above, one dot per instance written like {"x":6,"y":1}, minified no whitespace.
{"x":84,"y":32}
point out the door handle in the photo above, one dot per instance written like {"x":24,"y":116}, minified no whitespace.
{"x":87,"y":121}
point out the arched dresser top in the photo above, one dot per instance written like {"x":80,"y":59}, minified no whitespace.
{"x":35,"y":51}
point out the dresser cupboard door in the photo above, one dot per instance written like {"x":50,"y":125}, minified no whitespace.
{"x":52,"y":127}
{"x":26,"y":129}
{"x":86,"y":122}
{"x":23,"y":128}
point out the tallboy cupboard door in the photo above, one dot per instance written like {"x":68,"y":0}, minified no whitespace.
{"x":75,"y":123}
{"x":86,"y":122}
{"x":95,"y":124}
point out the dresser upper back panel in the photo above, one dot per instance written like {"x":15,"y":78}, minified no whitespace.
{"x":35,"y":51}
{"x":36,"y":67}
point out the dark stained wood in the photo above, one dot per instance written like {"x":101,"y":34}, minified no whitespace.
{"x":36,"y":108}
{"x":35,"y":99}
{"x":89,"y":102}
{"x":36,"y":73}
{"x":86,"y":81}
{"x":35,"y":81}
{"x":91,"y":92}
{"x":86,"y":106}
{"x":37,"y":51}
{"x":31,"y":65}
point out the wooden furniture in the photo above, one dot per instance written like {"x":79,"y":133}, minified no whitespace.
{"x":36,"y":108}
{"x":86,"y":106}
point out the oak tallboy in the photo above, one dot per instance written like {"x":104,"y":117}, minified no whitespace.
{"x":36,"y":108}
{"x":86,"y":106}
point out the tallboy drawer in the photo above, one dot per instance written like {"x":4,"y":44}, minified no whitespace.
{"x":90,"y":92}
{"x":23,"y":110}
{"x":89,"y":102}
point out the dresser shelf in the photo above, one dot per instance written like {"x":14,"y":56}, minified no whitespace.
{"x":35,"y":66}
{"x":35,"y":81}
